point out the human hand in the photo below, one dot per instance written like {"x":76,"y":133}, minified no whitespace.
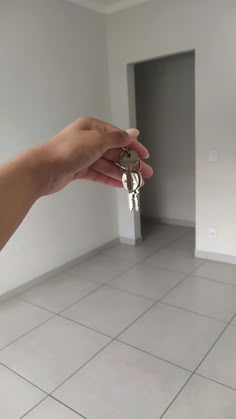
{"x":88,"y":149}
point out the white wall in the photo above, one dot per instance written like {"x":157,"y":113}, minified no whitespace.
{"x":165,"y":116}
{"x":53,"y":69}
{"x":158,"y":28}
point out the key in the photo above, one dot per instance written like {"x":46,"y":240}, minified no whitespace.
{"x":132,"y":188}
{"x":136,"y":194}
{"x":129,"y":161}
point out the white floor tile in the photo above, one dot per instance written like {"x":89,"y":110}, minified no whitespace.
{"x":17,"y":396}
{"x":205,"y":297}
{"x":108,"y":310}
{"x":59,"y":292}
{"x":147,"y":281}
{"x":122,"y":382}
{"x":173,"y":334}
{"x":163,"y":236}
{"x":203,"y":399}
{"x":186,"y":242}
{"x":18,"y":318}
{"x":51,"y":409}
{"x":176,"y":260}
{"x":220,"y":364}
{"x":52,"y":352}
{"x":102,"y":268}
{"x":132,"y":253}
{"x":154,"y":229}
{"x":218,"y":271}
{"x":234,"y":321}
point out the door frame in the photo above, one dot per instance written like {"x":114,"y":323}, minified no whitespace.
{"x":133,"y":120}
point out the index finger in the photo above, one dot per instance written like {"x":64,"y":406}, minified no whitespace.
{"x":115,"y":153}
{"x":87,"y":123}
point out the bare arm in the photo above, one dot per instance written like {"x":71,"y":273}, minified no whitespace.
{"x":86,"y":149}
{"x":19,"y":189}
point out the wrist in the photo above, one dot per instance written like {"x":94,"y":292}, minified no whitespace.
{"x":40,"y":170}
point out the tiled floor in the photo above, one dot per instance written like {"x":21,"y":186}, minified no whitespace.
{"x":133,"y":333}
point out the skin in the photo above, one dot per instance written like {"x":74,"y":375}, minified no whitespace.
{"x":86,"y":149}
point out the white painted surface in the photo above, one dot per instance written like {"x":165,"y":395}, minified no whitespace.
{"x":107,"y":6}
{"x":95,"y":5}
{"x":53,"y":69}
{"x":160,"y":28}
{"x":165,"y":116}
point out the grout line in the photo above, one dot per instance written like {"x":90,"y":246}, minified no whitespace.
{"x":68,"y":407}
{"x":27,"y":333}
{"x":53,"y":316}
{"x":84,"y":325}
{"x":107,"y":282}
{"x":24,"y":378}
{"x":34,"y":305}
{"x":32,"y":408}
{"x":176,"y":396}
{"x":232,"y":324}
{"x":155,"y":303}
{"x":80,"y":299}
{"x":215,"y":381}
{"x":112,"y":339}
{"x":99,"y":287}
{"x":195,"y":312}
{"x":214,"y":343}
{"x":197,"y":367}
{"x":154,"y":356}
{"x":160,"y":300}
{"x":58,"y":401}
{"x":216,"y":281}
{"x":132,"y":293}
{"x":70,"y":305}
{"x":81,"y":278}
{"x":109,"y":343}
{"x":82,"y":366}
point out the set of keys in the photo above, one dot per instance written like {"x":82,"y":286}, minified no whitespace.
{"x":132,"y":179}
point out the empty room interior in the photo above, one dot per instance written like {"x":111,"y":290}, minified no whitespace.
{"x":117,"y":246}
{"x":165,"y":114}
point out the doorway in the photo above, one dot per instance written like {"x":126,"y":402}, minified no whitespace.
{"x":165,"y":115}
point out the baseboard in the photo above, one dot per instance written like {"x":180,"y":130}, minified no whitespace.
{"x":62,"y":268}
{"x":131,"y":242}
{"x":172,"y":221}
{"x":216,"y":257}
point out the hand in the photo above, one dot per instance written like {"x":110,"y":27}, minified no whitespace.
{"x":88,"y":149}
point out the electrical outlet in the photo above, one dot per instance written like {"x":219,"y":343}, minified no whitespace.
{"x":212,"y":233}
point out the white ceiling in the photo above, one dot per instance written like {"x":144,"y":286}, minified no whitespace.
{"x":108,"y":6}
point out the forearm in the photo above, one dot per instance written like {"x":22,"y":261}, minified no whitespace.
{"x":20,"y":187}
{"x":86,"y":149}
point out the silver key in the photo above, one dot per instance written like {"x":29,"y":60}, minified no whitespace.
{"x":136,"y":194}
{"x":129,"y":161}
{"x":132,"y":186}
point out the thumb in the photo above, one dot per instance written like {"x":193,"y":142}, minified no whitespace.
{"x":118,"y":139}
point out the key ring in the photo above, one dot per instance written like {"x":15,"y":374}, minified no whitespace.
{"x":125,"y":149}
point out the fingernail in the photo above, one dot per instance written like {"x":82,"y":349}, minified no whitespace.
{"x":147,"y":156}
{"x":133,"y":132}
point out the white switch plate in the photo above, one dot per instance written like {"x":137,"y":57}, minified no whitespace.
{"x":213,"y":156}
{"x":212,"y":233}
